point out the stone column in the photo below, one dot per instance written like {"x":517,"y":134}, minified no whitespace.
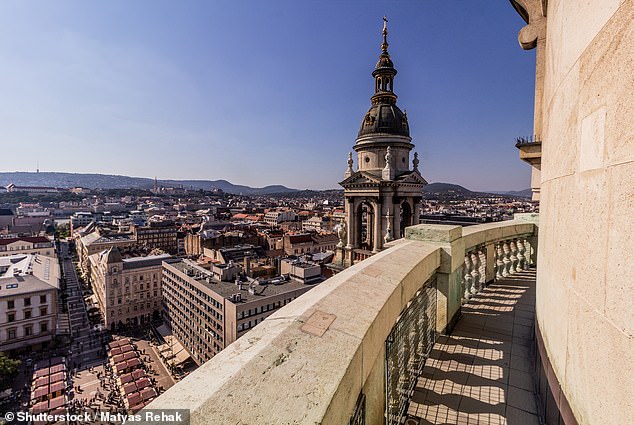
{"x":386,"y":206}
{"x":449,"y":274}
{"x":416,"y":212}
{"x":350,"y":224}
{"x":396,"y":211}
{"x":377,"y":234}
{"x":491,"y":265}
{"x":354,"y":225}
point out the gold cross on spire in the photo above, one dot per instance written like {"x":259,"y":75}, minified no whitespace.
{"x":384,"y":44}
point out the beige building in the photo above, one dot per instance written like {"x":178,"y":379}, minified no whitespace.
{"x":301,"y":271}
{"x":28,"y":301}
{"x":584,"y":104}
{"x":94,"y":242}
{"x":308,"y":243}
{"x":39,"y":245}
{"x":162,"y":235}
{"x":128,"y":290}
{"x":206,"y":314}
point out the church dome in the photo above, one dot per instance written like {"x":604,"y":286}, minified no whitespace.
{"x":384,"y":119}
{"x":384,"y":62}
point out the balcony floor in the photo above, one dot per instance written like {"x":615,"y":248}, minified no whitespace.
{"x":482,"y":372}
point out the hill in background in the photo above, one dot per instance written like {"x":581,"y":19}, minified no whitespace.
{"x":108,"y":181}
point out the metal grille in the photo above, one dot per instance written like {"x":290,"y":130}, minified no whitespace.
{"x":407,"y":347}
{"x":358,"y":416}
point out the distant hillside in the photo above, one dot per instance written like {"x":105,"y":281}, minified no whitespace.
{"x":454,"y":191}
{"x":107,"y":181}
{"x":526,"y":193}
{"x":447,"y":188}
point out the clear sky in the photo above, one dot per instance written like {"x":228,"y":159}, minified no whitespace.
{"x":259,"y":92}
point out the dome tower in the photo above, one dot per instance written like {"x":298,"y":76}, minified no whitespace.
{"x":383,"y":195}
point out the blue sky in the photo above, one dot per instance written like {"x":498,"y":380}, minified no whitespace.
{"x":259,"y":92}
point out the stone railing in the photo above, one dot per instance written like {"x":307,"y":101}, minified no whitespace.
{"x":350,"y":350}
{"x":491,"y":254}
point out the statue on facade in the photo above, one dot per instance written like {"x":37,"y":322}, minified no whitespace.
{"x":415,"y":162}
{"x":349,"y":170}
{"x":388,"y":173}
{"x":388,"y":231}
{"x":341,"y":232}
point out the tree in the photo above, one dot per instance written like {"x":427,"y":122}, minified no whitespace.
{"x":8,"y":368}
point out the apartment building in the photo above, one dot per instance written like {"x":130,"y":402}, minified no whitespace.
{"x":40,"y":245}
{"x":206,"y":314}
{"x":28,"y":301}
{"x":128,"y":290}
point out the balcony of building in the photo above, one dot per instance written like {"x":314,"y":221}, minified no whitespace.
{"x":530,"y":149}
{"x":435,"y":329}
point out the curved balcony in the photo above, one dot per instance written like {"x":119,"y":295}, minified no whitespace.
{"x":352,"y":349}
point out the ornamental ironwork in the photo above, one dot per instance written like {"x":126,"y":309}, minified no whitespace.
{"x":407,"y":348}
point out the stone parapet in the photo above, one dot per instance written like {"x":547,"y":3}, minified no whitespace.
{"x":316,"y":358}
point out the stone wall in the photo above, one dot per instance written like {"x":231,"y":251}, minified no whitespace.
{"x":585,"y":311}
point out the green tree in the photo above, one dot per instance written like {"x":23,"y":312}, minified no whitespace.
{"x":8,"y":369}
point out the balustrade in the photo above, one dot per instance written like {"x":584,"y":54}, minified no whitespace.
{"x":385,"y":314}
{"x":510,"y":256}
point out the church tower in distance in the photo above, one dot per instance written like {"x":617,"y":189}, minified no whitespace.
{"x":383,"y":195}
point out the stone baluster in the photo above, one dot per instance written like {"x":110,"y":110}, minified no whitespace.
{"x":499,"y":261}
{"x":513,"y":257}
{"x":483,"y":267}
{"x":521,"y":249}
{"x":475,"y":272}
{"x":506,"y":259}
{"x":466,"y":279}
{"x":528,"y":252}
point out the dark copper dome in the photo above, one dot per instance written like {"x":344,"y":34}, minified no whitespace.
{"x":384,"y":119}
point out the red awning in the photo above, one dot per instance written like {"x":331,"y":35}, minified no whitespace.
{"x":57,"y":386}
{"x":130,"y":355}
{"x":126,"y":378}
{"x":42,"y":372}
{"x":134,"y":362}
{"x":143,"y":383}
{"x":40,"y":382}
{"x":59,"y":376}
{"x":138,"y":373}
{"x":57,"y":402}
{"x":40,"y":407}
{"x":148,"y":393}
{"x":40,"y":392}
{"x":57,"y":368}
{"x":134,"y":399}
{"x":129,"y":388}
{"x":114,"y":344}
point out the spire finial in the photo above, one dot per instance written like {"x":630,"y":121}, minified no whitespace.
{"x":384,"y":44}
